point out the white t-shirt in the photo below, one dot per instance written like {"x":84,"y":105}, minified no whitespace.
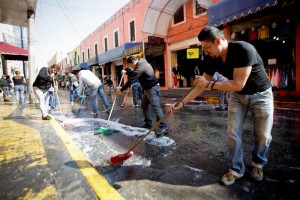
{"x":88,"y":77}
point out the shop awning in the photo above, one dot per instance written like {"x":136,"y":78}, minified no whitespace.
{"x":82,"y":65}
{"x":229,"y":10}
{"x":114,"y":54}
{"x":92,"y":61}
{"x":11,"y":52}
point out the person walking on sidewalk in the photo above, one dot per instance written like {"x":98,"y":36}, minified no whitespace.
{"x":251,"y":91}
{"x":73,"y":87}
{"x":4,"y":84}
{"x":41,"y":86}
{"x":19,"y":82}
{"x":144,"y":73}
{"x":89,"y":78}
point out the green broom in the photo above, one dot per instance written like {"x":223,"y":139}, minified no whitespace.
{"x":105,"y":130}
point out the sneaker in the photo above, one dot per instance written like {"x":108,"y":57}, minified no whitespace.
{"x":257,"y":173}
{"x":107,"y":110}
{"x":93,"y":113}
{"x":72,"y":103}
{"x":146,"y":125}
{"x":229,"y":178}
{"x":136,"y":105}
{"x":220,"y":109}
{"x":46,"y":118}
{"x":162,"y":132}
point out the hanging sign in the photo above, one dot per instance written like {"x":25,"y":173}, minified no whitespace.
{"x":192,"y":53}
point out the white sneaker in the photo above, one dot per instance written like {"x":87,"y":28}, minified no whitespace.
{"x":72,"y":103}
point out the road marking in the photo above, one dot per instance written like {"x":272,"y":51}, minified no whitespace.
{"x":99,"y":184}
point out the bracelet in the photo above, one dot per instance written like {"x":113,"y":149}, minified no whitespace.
{"x":182,"y":103}
{"x":212,"y":87}
{"x":208,"y":83}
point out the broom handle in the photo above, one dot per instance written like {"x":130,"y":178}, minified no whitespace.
{"x":125,"y":97}
{"x":158,"y":122}
{"x":54,"y":85}
{"x":112,"y":107}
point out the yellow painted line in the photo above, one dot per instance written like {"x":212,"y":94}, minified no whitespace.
{"x":22,"y":145}
{"x":101,"y":187}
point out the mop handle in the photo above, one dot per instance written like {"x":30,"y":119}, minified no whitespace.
{"x":158,"y":122}
{"x":114,"y":102}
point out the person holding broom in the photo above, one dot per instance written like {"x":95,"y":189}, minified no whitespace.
{"x":251,"y":91}
{"x":41,"y":86}
{"x":144,"y":73}
{"x":89,"y":78}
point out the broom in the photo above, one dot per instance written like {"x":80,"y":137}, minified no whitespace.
{"x":122,"y":105}
{"x":105,"y":129}
{"x":119,"y":159}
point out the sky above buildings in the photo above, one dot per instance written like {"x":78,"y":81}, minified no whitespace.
{"x":60,"y":25}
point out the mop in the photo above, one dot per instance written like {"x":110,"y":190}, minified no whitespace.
{"x":119,"y":159}
{"x":105,"y":129}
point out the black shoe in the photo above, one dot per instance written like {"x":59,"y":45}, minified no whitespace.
{"x":107,"y":110}
{"x":46,"y":118}
{"x":162,"y":132}
{"x":220,"y":109}
{"x":147,"y":125}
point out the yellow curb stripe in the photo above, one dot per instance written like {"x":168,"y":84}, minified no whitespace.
{"x":99,"y":184}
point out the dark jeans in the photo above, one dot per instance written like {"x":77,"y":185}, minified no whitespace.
{"x":137,"y":93}
{"x":151,"y":98}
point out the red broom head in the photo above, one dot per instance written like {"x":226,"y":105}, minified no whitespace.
{"x":119,"y":159}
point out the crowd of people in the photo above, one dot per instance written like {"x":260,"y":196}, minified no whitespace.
{"x":233,"y":67}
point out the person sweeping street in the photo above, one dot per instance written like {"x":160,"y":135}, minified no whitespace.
{"x":251,"y":91}
{"x":144,"y":73}
{"x":41,"y":86}
{"x":89,"y":78}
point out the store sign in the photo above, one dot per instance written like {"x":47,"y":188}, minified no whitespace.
{"x":133,"y":50}
{"x":192,"y":53}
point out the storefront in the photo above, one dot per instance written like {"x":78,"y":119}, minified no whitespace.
{"x":271,"y":26}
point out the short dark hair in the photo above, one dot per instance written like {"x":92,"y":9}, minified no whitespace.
{"x":210,"y":33}
{"x":56,"y":66}
{"x":131,"y":58}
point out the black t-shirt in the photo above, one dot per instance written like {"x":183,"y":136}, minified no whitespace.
{"x":241,"y":54}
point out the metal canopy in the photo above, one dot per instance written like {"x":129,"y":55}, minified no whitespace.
{"x":14,"y":12}
{"x":160,"y":13}
{"x":11,"y":52}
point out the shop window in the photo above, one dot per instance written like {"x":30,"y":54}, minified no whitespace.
{"x":179,"y":15}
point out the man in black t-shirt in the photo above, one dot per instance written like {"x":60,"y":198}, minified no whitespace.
{"x":250,"y":91}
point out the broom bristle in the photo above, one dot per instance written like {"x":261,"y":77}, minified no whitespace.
{"x":105,"y":130}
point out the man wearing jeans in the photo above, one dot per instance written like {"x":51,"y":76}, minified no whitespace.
{"x":73,"y":87}
{"x":88,"y":77}
{"x":251,"y":91}
{"x":144,"y":73}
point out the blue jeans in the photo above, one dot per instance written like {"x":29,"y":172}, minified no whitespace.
{"x":137,"y":92}
{"x":98,"y":89}
{"x":19,"y":90}
{"x":73,"y":92}
{"x":261,"y":106}
{"x":52,"y":100}
{"x":151,"y":97}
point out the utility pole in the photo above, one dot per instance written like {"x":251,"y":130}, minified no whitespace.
{"x":22,"y":46}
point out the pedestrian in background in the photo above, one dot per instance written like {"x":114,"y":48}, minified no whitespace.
{"x":73,"y":87}
{"x":110,"y":84}
{"x":175,"y":74}
{"x":251,"y":91}
{"x":41,"y":86}
{"x":19,"y":88}
{"x":4,"y":84}
{"x":144,"y":73}
{"x":53,"y":96}
{"x":89,"y":78}
{"x":137,"y":90}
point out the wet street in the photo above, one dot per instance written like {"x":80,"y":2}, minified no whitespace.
{"x":189,"y":161}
